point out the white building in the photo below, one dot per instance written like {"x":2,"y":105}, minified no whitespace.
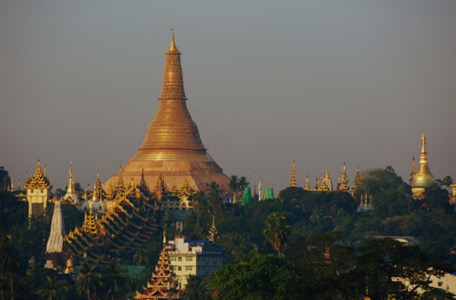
{"x":194,"y":257}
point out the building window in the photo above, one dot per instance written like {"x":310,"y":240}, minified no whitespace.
{"x":179,"y":258}
{"x":188,"y":258}
{"x":179,"y":268}
{"x":188,"y":268}
{"x":172,"y":258}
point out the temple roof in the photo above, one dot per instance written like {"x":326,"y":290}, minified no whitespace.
{"x":39,"y":180}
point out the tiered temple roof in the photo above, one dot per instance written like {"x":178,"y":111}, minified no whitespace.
{"x":39,"y":180}
{"x":342,"y":182}
{"x":163,"y":284}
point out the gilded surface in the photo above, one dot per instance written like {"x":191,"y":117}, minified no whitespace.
{"x":172,"y":145}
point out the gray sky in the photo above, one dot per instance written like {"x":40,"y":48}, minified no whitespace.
{"x":320,"y":82}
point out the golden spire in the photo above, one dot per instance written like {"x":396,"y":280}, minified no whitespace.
{"x":343,"y":182}
{"x":71,"y":189}
{"x":172,"y":132}
{"x":307,"y":186}
{"x":293,"y":175}
{"x":172,"y":45}
{"x":164,"y":236}
{"x":423,"y":178}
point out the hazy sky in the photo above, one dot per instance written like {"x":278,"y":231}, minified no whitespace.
{"x":268,"y":82}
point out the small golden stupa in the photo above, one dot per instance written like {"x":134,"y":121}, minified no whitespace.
{"x":423,"y":178}
{"x":172,"y":147}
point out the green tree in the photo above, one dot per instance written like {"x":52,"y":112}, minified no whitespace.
{"x":52,"y":288}
{"x":196,"y":289}
{"x":89,"y":281}
{"x":115,"y":281}
{"x":276,"y":230}
{"x":262,"y":277}
{"x":234,"y":187}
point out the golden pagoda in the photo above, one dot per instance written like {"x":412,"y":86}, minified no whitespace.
{"x":293,"y":175}
{"x":422,"y":178}
{"x":326,"y":183}
{"x":172,"y":145}
{"x":307,"y":186}
{"x":71,"y":195}
{"x":342,"y":184}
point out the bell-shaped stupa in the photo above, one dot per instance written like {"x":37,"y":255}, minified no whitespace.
{"x":172,"y":146}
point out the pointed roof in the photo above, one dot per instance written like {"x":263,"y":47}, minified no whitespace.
{"x":343,"y":182}
{"x":163,"y":282}
{"x":172,"y":127}
{"x":247,"y":197}
{"x":269,"y":193}
{"x":307,"y":186}
{"x":142,"y":182}
{"x":38,"y":181}
{"x":212,"y":231}
{"x":56,"y":236}
{"x":98,"y":192}
{"x":293,"y":175}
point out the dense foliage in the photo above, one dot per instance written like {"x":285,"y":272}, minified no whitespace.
{"x":327,"y":249}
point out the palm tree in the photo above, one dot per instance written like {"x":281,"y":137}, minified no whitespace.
{"x":276,"y":230}
{"x":115,"y":280}
{"x":8,"y":263}
{"x":243,"y":183}
{"x":53,"y":288}
{"x":89,"y":281}
{"x":234,"y":186}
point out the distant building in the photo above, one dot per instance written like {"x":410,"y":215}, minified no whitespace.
{"x":37,"y":192}
{"x":194,"y":257}
{"x":5,"y":180}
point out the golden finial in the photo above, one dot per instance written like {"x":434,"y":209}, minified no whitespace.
{"x":172,"y":46}
{"x":164,"y":236}
{"x":423,"y":142}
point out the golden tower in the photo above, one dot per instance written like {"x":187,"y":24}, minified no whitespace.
{"x":71,"y":190}
{"x":172,"y":146}
{"x":422,"y":178}
{"x":293,"y":175}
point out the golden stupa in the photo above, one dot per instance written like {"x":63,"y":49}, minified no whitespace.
{"x":172,"y":146}
{"x":423,"y":178}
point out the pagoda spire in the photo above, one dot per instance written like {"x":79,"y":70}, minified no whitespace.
{"x":343,"y":182}
{"x":423,"y":177}
{"x":212,"y":231}
{"x":71,"y":190}
{"x":293,"y":175}
{"x":172,"y":145}
{"x":172,"y":128}
{"x":307,"y":187}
